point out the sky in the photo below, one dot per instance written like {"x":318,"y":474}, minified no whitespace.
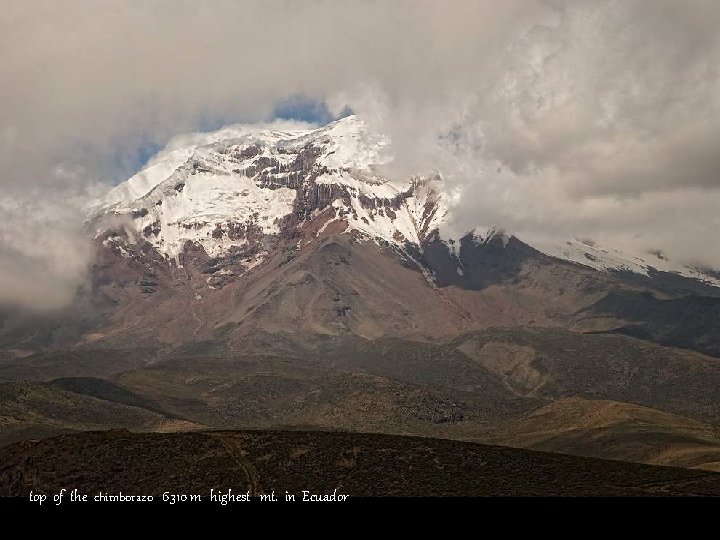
{"x":597,"y":119}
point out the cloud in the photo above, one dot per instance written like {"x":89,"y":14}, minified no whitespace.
{"x":573,"y":118}
{"x":604,"y":122}
{"x":43,"y":252}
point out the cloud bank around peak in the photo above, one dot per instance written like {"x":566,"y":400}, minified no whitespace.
{"x":595,"y":119}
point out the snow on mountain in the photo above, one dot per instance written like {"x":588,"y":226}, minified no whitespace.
{"x":240,"y":184}
{"x":229,"y":190}
{"x":587,"y":253}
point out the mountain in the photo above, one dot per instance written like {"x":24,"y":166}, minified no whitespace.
{"x":232,"y":191}
{"x":298,"y":231}
{"x":275,"y":278}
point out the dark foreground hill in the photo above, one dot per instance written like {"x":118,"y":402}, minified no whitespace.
{"x":353,"y":464}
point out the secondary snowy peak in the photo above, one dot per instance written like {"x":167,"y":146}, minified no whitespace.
{"x":229,"y":190}
{"x":588,"y":253}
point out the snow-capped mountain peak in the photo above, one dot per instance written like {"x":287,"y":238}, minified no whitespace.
{"x":241,"y":184}
{"x":232,"y":190}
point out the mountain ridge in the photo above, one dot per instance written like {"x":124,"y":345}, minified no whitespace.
{"x":240,"y":185}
